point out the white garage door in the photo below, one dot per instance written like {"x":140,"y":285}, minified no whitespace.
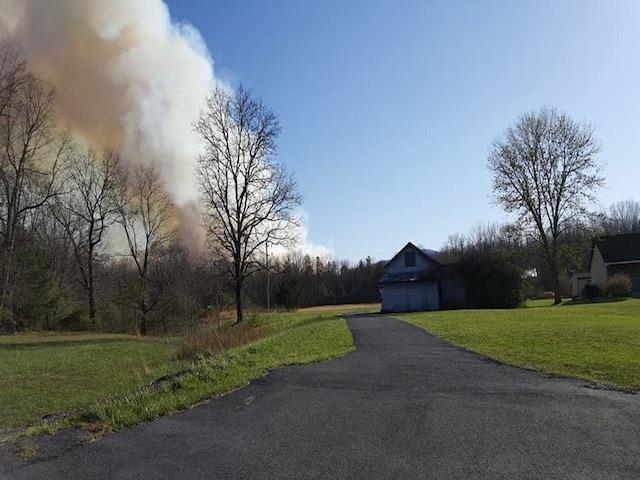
{"x":408,"y":297}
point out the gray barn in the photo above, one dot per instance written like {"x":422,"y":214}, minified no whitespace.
{"x":418,"y":279}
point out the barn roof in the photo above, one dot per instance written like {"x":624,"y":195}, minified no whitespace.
{"x":438,"y":257}
{"x":619,"y":248}
{"x":409,"y":244}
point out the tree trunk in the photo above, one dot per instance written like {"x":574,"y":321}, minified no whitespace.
{"x":553,"y":263}
{"x":91,"y":292}
{"x":142,"y":304}
{"x":142,"y":328}
{"x":551,"y":258}
{"x":6,"y":313}
{"x":239,"y":315}
{"x":557,"y":292}
{"x":92,"y":306}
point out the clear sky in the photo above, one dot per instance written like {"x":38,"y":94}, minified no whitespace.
{"x":388,"y":107}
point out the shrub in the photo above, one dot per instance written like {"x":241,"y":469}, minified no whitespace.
{"x":591,"y":290}
{"x":290,"y":290}
{"x":619,"y":285}
{"x":77,"y":320}
{"x":493,"y":282}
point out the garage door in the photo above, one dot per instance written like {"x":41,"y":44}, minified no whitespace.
{"x":409,"y":297}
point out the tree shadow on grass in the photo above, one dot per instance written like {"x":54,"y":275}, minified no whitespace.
{"x":580,"y":301}
{"x":66,"y":343}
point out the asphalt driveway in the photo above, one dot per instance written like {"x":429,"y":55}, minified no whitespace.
{"x":404,"y":405}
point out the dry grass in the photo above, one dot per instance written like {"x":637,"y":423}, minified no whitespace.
{"x":210,"y":340}
{"x":347,"y":307}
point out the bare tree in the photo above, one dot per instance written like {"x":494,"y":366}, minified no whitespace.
{"x":32,"y":153}
{"x":623,"y":217}
{"x":545,"y":169}
{"x":13,"y":75}
{"x":145,"y":211}
{"x":249,"y":199}
{"x":87,"y":208}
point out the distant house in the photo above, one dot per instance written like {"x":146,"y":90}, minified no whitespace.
{"x":578,"y":282}
{"x":418,"y":279}
{"x":616,"y":254}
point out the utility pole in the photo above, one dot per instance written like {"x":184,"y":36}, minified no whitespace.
{"x":266,"y":250}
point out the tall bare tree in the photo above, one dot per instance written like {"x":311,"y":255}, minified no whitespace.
{"x":32,"y":153}
{"x":623,"y":217}
{"x":145,"y":212}
{"x":86,"y":209}
{"x":545,"y":169}
{"x":249,"y":199}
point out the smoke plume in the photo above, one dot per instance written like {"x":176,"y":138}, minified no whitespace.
{"x":126,"y":76}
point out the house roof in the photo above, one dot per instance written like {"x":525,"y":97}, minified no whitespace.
{"x":409,"y":244}
{"x":438,"y":257}
{"x":619,"y":248}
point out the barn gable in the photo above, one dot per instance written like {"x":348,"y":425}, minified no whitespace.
{"x":402,"y":263}
{"x":417,"y":279}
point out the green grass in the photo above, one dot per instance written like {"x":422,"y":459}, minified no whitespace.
{"x":107,"y":377}
{"x":598,"y":342}
{"x":47,"y":373}
{"x":300,"y":339}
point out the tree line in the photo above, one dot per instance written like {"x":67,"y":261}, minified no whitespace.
{"x":89,"y":241}
{"x":504,"y":265}
{"x":546,"y":172}
{"x":299,"y":280}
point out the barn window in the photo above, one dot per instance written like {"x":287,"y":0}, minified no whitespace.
{"x":410,"y":259}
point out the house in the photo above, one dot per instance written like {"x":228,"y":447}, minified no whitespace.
{"x":614,"y":254}
{"x":417,"y":279}
{"x":578,"y":282}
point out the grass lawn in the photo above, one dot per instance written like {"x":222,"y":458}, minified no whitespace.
{"x":107,"y":376}
{"x":47,"y":373}
{"x":599,"y":342}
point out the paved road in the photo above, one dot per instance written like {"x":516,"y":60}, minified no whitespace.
{"x":404,"y":405}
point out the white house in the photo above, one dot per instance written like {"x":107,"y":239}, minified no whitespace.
{"x":616,"y":254}
{"x":578,"y":282}
{"x":418,"y":279}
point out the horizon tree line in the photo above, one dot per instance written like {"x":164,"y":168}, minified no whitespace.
{"x":63,"y":202}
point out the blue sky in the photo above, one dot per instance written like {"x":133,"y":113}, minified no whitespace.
{"x":388,"y":108}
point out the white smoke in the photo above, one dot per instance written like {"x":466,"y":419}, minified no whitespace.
{"x":303,"y":244}
{"x":126,"y":76}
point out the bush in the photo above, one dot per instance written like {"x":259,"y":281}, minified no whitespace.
{"x":619,"y":285}
{"x":211,"y":340}
{"x":591,"y":290}
{"x":493,"y":282}
{"x":291,"y":288}
{"x":76,"y":321}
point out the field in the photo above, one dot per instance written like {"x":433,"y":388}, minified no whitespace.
{"x":599,"y":342}
{"x":105,"y":378}
{"x":47,"y":373}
